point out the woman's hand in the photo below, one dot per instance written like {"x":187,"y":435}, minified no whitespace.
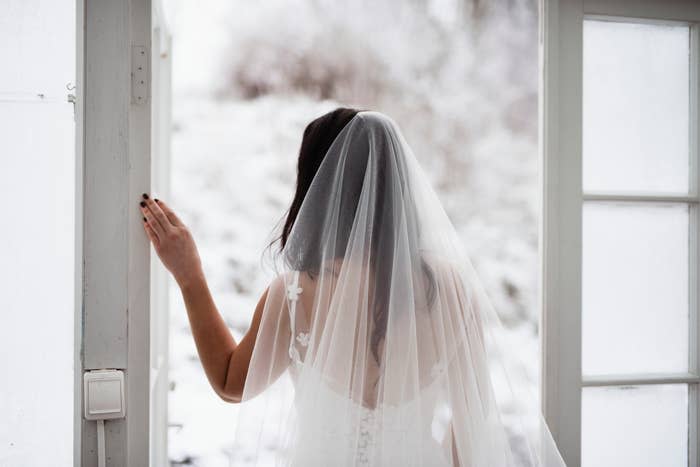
{"x":172,"y":241}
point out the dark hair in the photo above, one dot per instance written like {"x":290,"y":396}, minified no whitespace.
{"x":318,"y":137}
{"x":303,"y":254}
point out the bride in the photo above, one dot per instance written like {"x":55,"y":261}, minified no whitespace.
{"x":375,"y":345}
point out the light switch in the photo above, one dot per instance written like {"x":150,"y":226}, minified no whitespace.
{"x":104,"y":394}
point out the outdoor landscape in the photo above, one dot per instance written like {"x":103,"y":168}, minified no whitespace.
{"x":460,"y":79}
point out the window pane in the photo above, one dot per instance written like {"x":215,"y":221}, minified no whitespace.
{"x":635,"y":288}
{"x":636,"y":426}
{"x":635,"y":107}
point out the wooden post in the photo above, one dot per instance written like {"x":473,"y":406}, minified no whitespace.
{"x":114,"y":138}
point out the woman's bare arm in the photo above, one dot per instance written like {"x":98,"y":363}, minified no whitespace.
{"x":225,"y":362}
{"x":214,"y":342}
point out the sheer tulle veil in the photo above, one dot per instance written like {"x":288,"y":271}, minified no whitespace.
{"x":377,"y":344}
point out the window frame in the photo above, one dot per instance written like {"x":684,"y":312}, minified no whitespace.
{"x":561,"y":118}
{"x":161,"y":123}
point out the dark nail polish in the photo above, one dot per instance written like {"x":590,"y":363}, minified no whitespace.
{"x":142,"y":203}
{"x":145,"y":196}
{"x":144,"y":219}
{"x":156,"y":200}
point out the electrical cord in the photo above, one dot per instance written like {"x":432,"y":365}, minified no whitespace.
{"x":101,"y":443}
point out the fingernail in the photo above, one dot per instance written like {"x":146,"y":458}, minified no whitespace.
{"x":145,"y":196}
{"x":144,"y":219}
{"x":142,"y":203}
{"x":156,"y":200}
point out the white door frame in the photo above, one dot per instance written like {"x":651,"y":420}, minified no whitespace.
{"x":113,"y":132}
{"x":161,"y":67}
{"x":560,"y":238}
{"x":561,"y":86}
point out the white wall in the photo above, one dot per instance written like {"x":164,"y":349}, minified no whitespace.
{"x":37,"y":183}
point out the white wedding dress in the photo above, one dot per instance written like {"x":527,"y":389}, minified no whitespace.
{"x":357,"y":441}
{"x":394,"y":353}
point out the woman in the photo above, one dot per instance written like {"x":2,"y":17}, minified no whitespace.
{"x":376,"y":344}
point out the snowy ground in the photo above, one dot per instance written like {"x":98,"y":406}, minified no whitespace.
{"x":233,"y":174}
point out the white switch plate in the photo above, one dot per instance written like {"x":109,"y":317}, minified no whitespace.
{"x":104,"y":394}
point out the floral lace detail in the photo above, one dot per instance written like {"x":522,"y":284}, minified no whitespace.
{"x":303,"y":338}
{"x":293,"y":291}
{"x":294,"y":354}
{"x":366,"y":441}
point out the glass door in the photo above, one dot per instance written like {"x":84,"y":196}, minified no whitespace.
{"x":620,"y":98}
{"x":639,"y":230}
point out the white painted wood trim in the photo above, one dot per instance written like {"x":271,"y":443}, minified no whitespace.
{"x":631,"y":198}
{"x":639,"y":380}
{"x":114,"y":158}
{"x":161,"y":59}
{"x":694,"y":249}
{"x":560,"y":143}
{"x":78,"y":106}
{"x":657,"y":10}
{"x":139,"y":179}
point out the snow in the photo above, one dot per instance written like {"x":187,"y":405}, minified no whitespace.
{"x":461,"y":84}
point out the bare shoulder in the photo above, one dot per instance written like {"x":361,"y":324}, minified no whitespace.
{"x":290,"y":284}
{"x":276,"y":293}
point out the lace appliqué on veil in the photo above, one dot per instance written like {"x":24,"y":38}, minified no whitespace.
{"x":303,"y":338}
{"x":293,"y":291}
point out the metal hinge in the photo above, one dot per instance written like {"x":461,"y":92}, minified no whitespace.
{"x":139,"y":74}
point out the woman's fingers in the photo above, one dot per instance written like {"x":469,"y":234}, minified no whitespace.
{"x":151,"y":206}
{"x":172,"y":217}
{"x":174,"y":243}
{"x":151,"y":234}
{"x":159,"y":218}
{"x":151,"y":221}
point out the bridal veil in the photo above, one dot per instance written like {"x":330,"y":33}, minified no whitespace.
{"x":377,"y":345}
